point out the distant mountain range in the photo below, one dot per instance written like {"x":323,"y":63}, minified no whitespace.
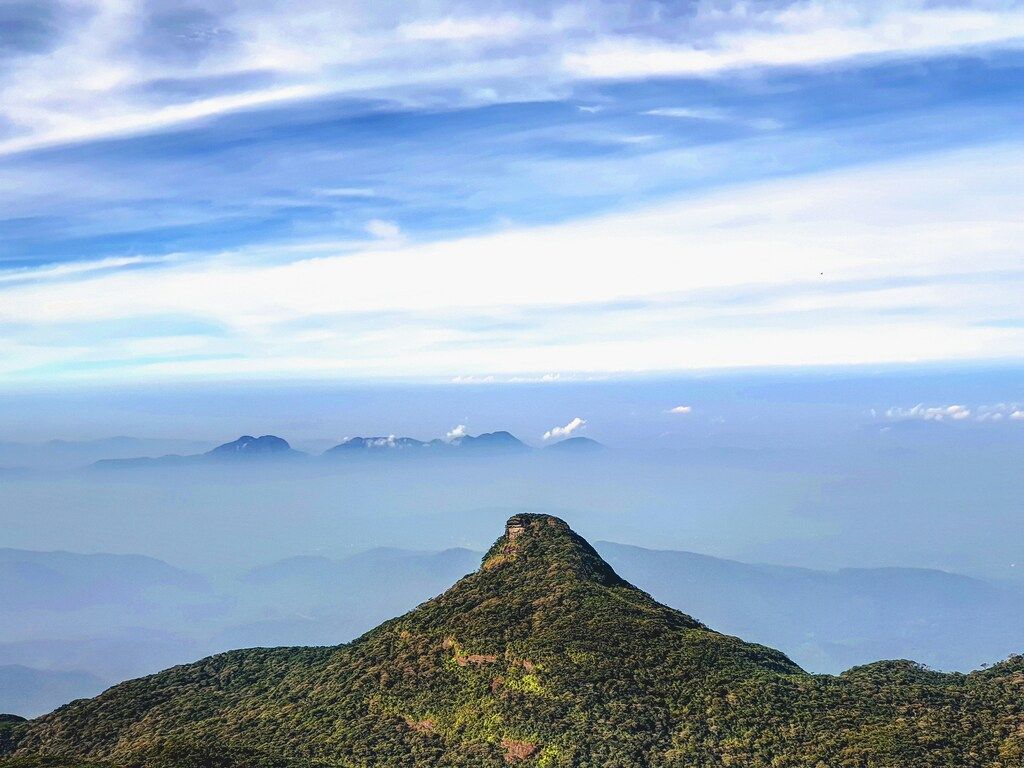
{"x":834,"y":620}
{"x":247,"y":447}
{"x":271,"y":447}
{"x":575,"y":445}
{"x":490,"y":442}
{"x":32,"y":692}
{"x":70,"y":581}
{"x":67,"y":454}
{"x":543,"y":656}
{"x":116,"y":616}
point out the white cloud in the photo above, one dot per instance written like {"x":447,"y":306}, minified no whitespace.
{"x":560,"y":432}
{"x":635,"y":138}
{"x":60,"y":271}
{"x":982,"y":413}
{"x":681,"y":409}
{"x":690,"y":113}
{"x":805,"y":34}
{"x":88,"y":87}
{"x":71,"y":127}
{"x":891,"y":263}
{"x":457,"y":29}
{"x":384,"y":230}
{"x":346,"y":192}
{"x":930,"y":413}
{"x":958,"y":412}
{"x":715,"y":115}
{"x":455,"y":433}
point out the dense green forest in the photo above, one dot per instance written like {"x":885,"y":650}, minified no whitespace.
{"x":542,"y":657}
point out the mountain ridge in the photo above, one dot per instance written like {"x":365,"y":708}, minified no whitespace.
{"x":268,"y":447}
{"x":575,"y":445}
{"x":249,"y":447}
{"x":544,"y":656}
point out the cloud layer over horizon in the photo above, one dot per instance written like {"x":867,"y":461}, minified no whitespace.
{"x":440,"y":189}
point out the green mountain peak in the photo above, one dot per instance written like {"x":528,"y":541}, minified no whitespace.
{"x":548,"y":544}
{"x":544,"y":657}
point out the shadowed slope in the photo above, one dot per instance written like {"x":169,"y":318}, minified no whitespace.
{"x":543,"y":656}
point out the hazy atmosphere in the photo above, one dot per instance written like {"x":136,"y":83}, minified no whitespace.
{"x":821,"y":468}
{"x":812,"y":495}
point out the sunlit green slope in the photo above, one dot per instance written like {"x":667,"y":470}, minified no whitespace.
{"x":542,"y":657}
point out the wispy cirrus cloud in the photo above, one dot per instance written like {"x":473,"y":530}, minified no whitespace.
{"x":311,"y":182}
{"x":809,"y":33}
{"x":690,"y":113}
{"x":76,"y":269}
{"x":88,"y":71}
{"x":713,"y":114}
{"x":453,"y":29}
{"x":123,"y":142}
{"x":780,"y":272}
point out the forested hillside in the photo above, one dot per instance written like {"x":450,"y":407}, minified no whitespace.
{"x":543,"y":657}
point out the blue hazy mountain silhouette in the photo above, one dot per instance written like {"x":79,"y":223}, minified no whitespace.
{"x":244,"y":448}
{"x":248,"y":446}
{"x":575,"y":445}
{"x":489,"y":442}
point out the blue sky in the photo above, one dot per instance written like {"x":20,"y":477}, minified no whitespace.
{"x":501,"y":191}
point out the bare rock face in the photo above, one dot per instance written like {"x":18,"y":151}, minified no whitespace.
{"x":515,"y":526}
